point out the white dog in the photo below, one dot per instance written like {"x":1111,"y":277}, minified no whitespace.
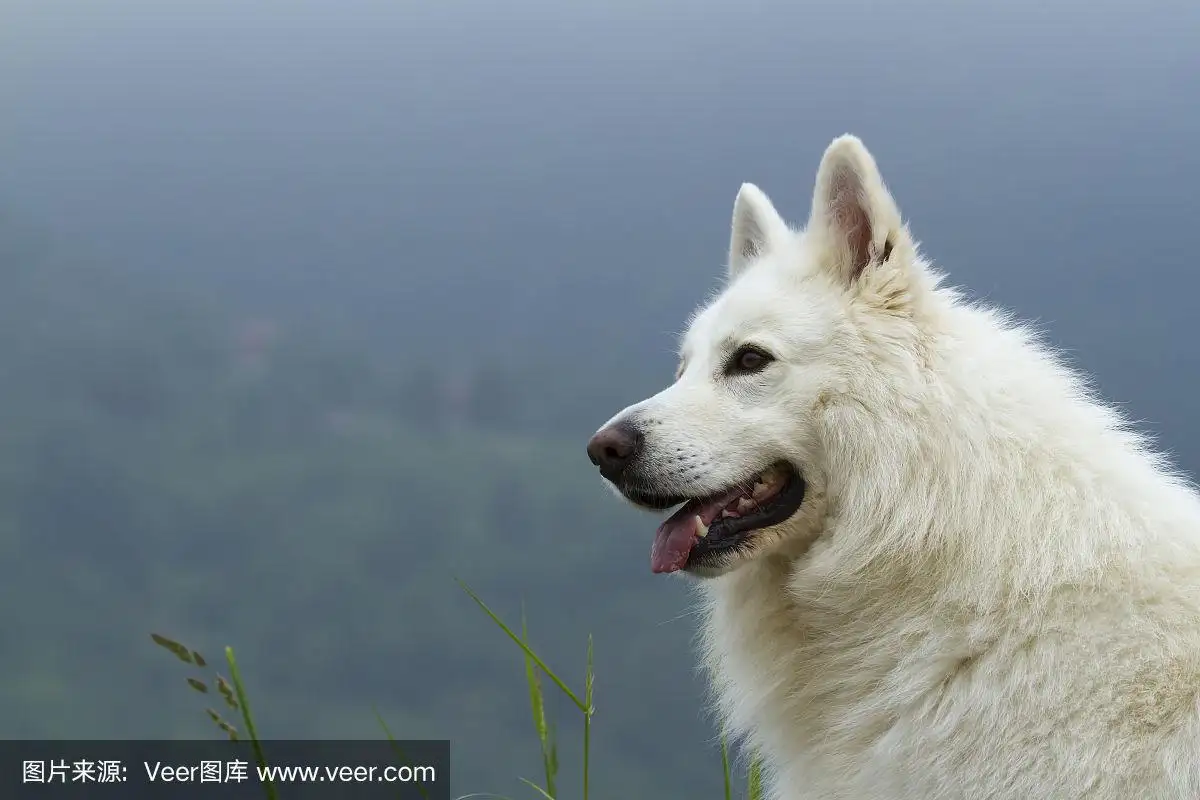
{"x":934,"y":565}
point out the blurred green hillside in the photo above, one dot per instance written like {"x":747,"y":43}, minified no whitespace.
{"x":165,"y":467}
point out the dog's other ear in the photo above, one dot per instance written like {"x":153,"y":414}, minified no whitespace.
{"x":854,"y":219}
{"x":757,"y":228}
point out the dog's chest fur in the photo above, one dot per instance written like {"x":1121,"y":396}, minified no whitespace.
{"x":814,"y":687}
{"x":882,"y":691}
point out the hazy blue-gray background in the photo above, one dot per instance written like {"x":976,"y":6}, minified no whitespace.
{"x":308,"y":307}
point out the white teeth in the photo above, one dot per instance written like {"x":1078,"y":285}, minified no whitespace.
{"x":759,"y":490}
{"x":745,"y":505}
{"x":701,"y":528}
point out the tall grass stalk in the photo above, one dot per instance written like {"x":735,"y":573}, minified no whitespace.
{"x":755,"y":791}
{"x":259,"y":756}
{"x":725,"y":768}
{"x":235,"y":697}
{"x":537,"y":700}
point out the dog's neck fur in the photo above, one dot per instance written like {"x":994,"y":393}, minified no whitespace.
{"x":911,"y":527}
{"x":982,"y":412}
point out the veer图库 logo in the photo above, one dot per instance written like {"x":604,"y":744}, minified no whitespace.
{"x":47,"y":770}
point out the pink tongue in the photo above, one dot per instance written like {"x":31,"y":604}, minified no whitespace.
{"x":673,"y":541}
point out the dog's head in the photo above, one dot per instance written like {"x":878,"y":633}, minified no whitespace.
{"x":741,"y":439}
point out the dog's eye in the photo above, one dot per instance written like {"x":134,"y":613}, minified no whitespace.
{"x":747,"y":360}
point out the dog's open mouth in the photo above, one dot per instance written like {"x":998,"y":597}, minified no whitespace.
{"x":704,"y":528}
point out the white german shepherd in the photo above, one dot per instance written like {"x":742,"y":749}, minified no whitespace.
{"x":933,"y":565}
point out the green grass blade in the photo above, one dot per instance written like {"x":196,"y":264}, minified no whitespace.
{"x":755,"y":791}
{"x":725,"y":768}
{"x":239,"y":687}
{"x":399,"y":751}
{"x":539,"y":789}
{"x":536,"y":659}
{"x":537,"y":702}
{"x":587,"y":716}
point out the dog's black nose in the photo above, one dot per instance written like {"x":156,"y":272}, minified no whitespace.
{"x":614,"y":448}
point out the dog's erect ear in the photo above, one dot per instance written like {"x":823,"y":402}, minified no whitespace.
{"x":854,"y":219}
{"x":757,"y":228}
